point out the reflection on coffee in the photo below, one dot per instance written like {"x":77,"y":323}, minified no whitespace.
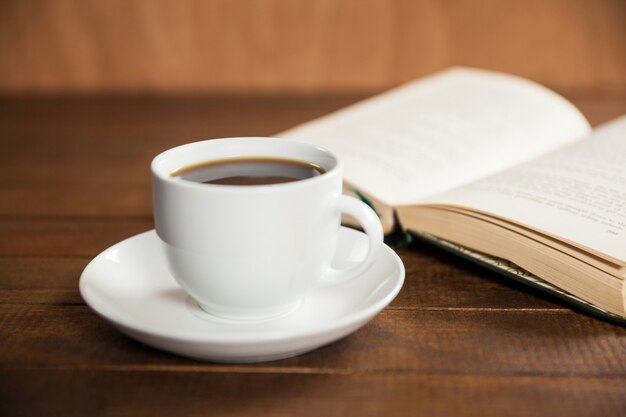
{"x":249,"y":171}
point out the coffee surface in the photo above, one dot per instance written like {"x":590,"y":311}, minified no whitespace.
{"x":249,"y":171}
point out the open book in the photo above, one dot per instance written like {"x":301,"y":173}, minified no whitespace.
{"x":498,"y":169}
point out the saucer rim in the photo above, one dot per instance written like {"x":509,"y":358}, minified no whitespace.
{"x":244,"y":338}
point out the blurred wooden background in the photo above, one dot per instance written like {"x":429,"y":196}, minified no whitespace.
{"x":303,"y":46}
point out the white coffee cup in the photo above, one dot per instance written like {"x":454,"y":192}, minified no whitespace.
{"x":253,"y":252}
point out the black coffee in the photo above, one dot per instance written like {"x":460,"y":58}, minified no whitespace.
{"x":249,"y":171}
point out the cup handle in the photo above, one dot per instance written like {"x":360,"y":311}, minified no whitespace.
{"x":370,"y":223}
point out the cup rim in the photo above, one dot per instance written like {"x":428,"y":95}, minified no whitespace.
{"x":159,"y":173}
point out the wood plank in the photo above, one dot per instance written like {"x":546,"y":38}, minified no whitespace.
{"x":491,"y":342}
{"x":145,"y":119}
{"x":316,"y":45}
{"x":61,"y":393}
{"x":91,"y":156}
{"x":31,"y":280}
{"x":26,"y":236}
{"x":134,"y":122}
{"x":434,"y":278}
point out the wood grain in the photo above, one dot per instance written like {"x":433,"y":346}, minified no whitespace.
{"x":92,"y":156}
{"x":165,"y":393}
{"x":458,"y":340}
{"x":47,"y":268}
{"x":437,"y":341}
{"x":76,"y":237}
{"x":318,"y":45}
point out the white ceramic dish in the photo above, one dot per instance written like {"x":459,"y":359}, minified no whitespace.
{"x":130,"y":286}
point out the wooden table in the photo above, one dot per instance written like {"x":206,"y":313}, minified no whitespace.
{"x":458,"y":340}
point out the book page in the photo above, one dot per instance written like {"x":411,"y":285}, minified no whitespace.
{"x":442,"y":131}
{"x":577,"y":193}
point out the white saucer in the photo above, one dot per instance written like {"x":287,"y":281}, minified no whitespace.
{"x":130,"y":286}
